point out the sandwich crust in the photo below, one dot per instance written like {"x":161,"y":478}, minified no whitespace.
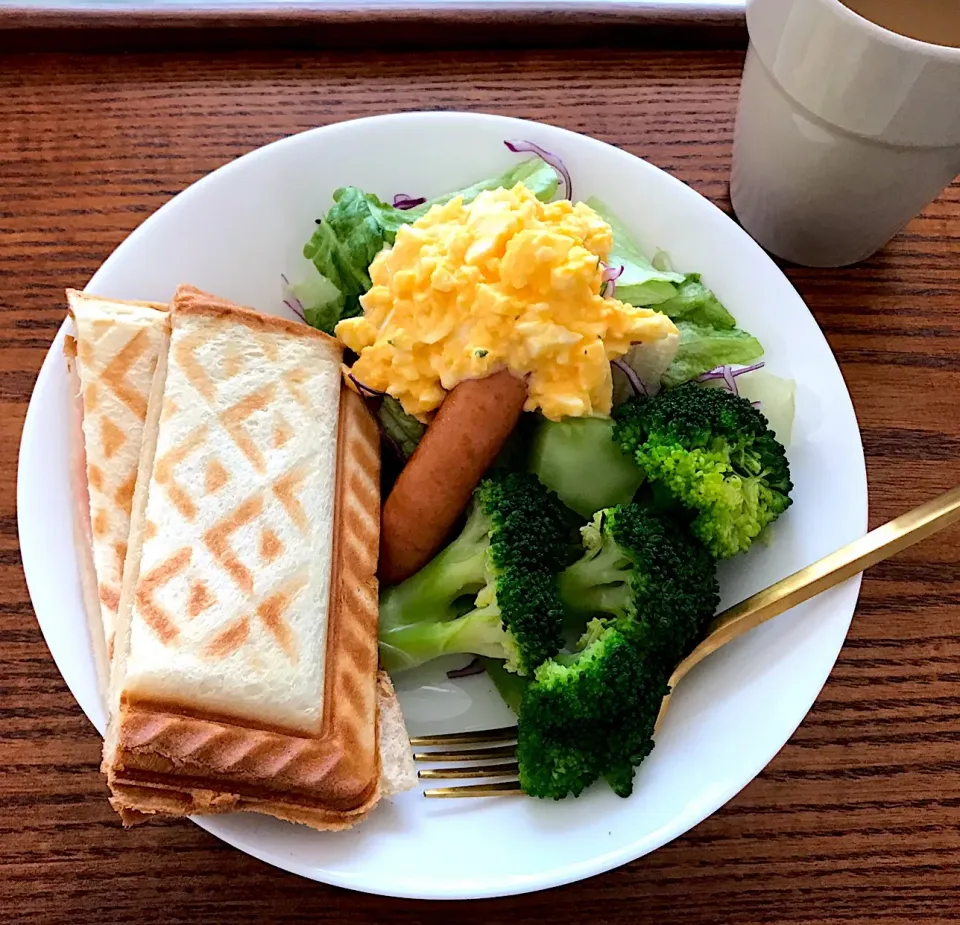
{"x":169,"y":758}
{"x":193,"y":301}
{"x":140,"y":804}
{"x":82,"y":525}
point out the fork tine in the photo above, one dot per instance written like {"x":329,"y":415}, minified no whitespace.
{"x":499,"y":789}
{"x":479,"y":737}
{"x":467,"y":754}
{"x":506,"y":769}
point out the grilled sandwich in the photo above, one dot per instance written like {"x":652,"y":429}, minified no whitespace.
{"x":244,"y":641}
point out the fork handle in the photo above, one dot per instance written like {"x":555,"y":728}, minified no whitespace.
{"x":850,"y":560}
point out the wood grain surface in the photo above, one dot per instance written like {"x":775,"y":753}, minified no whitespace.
{"x":856,"y":820}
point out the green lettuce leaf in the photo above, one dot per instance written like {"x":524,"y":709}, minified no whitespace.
{"x":343,"y":246}
{"x":402,"y":428}
{"x":641,"y":283}
{"x":709,"y":336}
{"x":695,"y":303}
{"x":359,"y":225}
{"x":536,"y":175}
{"x":777,"y":397}
{"x":703,"y":348}
{"x":321,"y":301}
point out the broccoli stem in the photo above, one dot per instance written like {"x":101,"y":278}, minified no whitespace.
{"x":480,"y":632}
{"x":579,"y":460}
{"x":429,"y":595}
{"x":599,"y":583}
{"x":510,"y":686}
{"x":505,"y":562}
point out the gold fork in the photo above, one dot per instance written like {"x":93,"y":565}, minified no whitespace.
{"x":495,"y":745}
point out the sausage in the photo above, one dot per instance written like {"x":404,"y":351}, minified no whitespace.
{"x":435,"y":486}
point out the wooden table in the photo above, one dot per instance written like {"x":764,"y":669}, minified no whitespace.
{"x":856,"y":819}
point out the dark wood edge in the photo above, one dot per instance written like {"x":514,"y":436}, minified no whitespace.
{"x":162,"y":12}
{"x":341,"y":25}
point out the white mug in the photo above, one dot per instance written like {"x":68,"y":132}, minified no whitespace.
{"x":844,"y":132}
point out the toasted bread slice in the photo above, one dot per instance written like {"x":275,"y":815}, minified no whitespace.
{"x":245,"y":673}
{"x":111,"y":358}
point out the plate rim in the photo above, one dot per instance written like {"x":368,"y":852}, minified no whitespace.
{"x":558,"y":874}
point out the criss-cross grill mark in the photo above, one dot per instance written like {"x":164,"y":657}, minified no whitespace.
{"x":217,"y":540}
{"x":233,"y":419}
{"x":153,"y":614}
{"x":164,"y":468}
{"x":114,"y":374}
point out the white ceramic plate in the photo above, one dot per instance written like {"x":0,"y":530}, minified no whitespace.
{"x":233,"y":233}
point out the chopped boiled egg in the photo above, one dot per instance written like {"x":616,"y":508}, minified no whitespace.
{"x":503,"y":281}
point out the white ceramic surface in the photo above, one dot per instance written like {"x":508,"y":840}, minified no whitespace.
{"x":844,"y":132}
{"x":233,"y":233}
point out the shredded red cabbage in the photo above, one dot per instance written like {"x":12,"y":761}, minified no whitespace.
{"x":406,"y":201}
{"x":729,"y":375}
{"x":749,"y":369}
{"x":636,"y":383}
{"x":290,"y":300}
{"x":365,"y":389}
{"x":609,"y":284}
{"x":475,"y":667}
{"x":519,"y":146}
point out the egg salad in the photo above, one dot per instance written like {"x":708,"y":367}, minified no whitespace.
{"x":502,"y":281}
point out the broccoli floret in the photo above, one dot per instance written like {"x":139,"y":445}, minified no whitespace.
{"x":646,"y":574}
{"x":644,"y":592}
{"x":715,"y":454}
{"x":589,"y":715}
{"x":516,"y":539}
